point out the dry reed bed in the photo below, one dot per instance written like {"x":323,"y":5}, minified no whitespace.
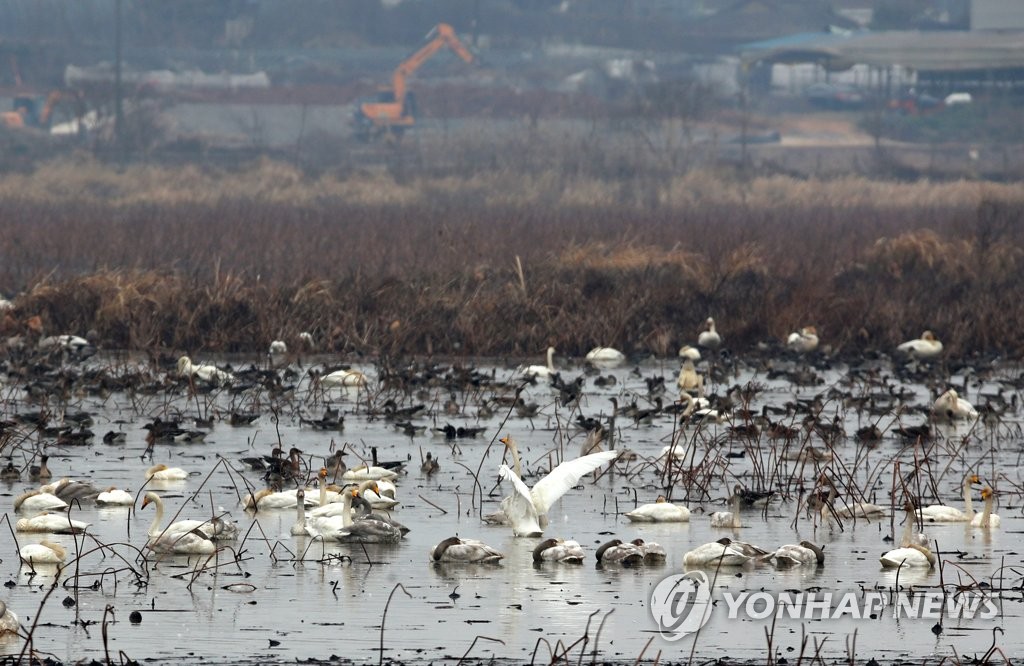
{"x":202,"y":260}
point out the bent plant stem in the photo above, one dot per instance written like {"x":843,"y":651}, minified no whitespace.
{"x":470,"y":648}
{"x":384,"y":618}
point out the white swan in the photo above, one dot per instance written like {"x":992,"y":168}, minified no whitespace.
{"x":35,"y":500}
{"x":606,"y":357}
{"x":692,"y":353}
{"x":162,"y":472}
{"x":8,"y":620}
{"x":660,"y":511}
{"x":55,"y":523}
{"x":729,"y":519}
{"x":215,"y":529}
{"x":861,"y":510}
{"x":557,"y":550}
{"x":927,"y":346}
{"x":792,"y":555}
{"x":343,"y":528}
{"x":527,"y":508}
{"x":115,"y":497}
{"x":709,"y":337}
{"x":299,"y":527}
{"x":911,"y":552}
{"x":44,"y":552}
{"x":941,"y":513}
{"x":269,"y":499}
{"x":653,"y":553}
{"x":689,"y":380}
{"x":804,"y":341}
{"x":616,"y":552}
{"x":343,"y":378}
{"x":368,"y":473}
{"x":454,"y":549}
{"x":951,"y":407}
{"x":277,"y":347}
{"x":210,"y":374}
{"x":540,"y":371}
{"x":986,"y":518}
{"x":710,"y":554}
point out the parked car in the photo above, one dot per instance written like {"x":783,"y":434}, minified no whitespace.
{"x":835,"y":95}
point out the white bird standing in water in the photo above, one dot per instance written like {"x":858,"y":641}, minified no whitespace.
{"x":540,"y":371}
{"x":709,"y":337}
{"x":210,"y":374}
{"x":527,"y":508}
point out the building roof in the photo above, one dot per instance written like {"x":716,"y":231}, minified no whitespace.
{"x":940,"y":51}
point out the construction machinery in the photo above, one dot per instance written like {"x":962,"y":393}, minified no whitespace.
{"x":30,"y":111}
{"x":394,"y":108}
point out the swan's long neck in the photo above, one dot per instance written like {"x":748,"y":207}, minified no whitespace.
{"x":158,"y":517}
{"x":968,"y":502}
{"x":346,"y":512}
{"x":691,"y":404}
{"x":323,"y":492}
{"x":908,"y":531}
{"x":551,"y":359}
{"x":986,"y":514}
{"x":300,"y":513}
{"x":736,"y":510}
{"x":514,"y":450}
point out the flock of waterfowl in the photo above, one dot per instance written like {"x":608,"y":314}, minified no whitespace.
{"x":783,"y":417}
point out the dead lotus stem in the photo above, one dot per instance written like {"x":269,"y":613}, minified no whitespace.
{"x":384,"y":617}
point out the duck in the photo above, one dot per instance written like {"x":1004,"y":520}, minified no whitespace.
{"x":803,"y":341}
{"x":540,"y":371}
{"x":215,"y":529}
{"x":454,"y":549}
{"x":911,"y":552}
{"x":54,"y":523}
{"x":729,"y":519}
{"x":344,"y":377}
{"x":925,"y":347}
{"x":44,"y":552}
{"x":430,"y":465}
{"x":527,"y":508}
{"x":40,"y":472}
{"x":688,"y":352}
{"x":557,"y":550}
{"x":162,"y":472}
{"x":709,"y":337}
{"x":605,"y":357}
{"x":793,"y":555}
{"x":715,"y":554}
{"x":659,"y":511}
{"x":114,"y":496}
{"x":986,"y":518}
{"x":941,"y":513}
{"x":689,"y":380}
{"x":617,"y":552}
{"x":10,"y":472}
{"x":204,"y":372}
{"x":951,"y":407}
{"x":38,"y":500}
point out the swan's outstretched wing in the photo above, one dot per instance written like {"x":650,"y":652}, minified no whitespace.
{"x":519,"y":507}
{"x":563,"y":477}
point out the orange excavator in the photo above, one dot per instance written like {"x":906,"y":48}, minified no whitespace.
{"x":394,"y":109}
{"x":30,"y":112}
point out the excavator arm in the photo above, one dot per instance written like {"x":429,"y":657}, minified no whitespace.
{"x":391,"y":113}
{"x":441,"y":36}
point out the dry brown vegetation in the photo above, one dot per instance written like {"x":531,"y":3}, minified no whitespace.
{"x":196,"y":259}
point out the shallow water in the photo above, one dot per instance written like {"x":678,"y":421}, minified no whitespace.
{"x":269,"y":607}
